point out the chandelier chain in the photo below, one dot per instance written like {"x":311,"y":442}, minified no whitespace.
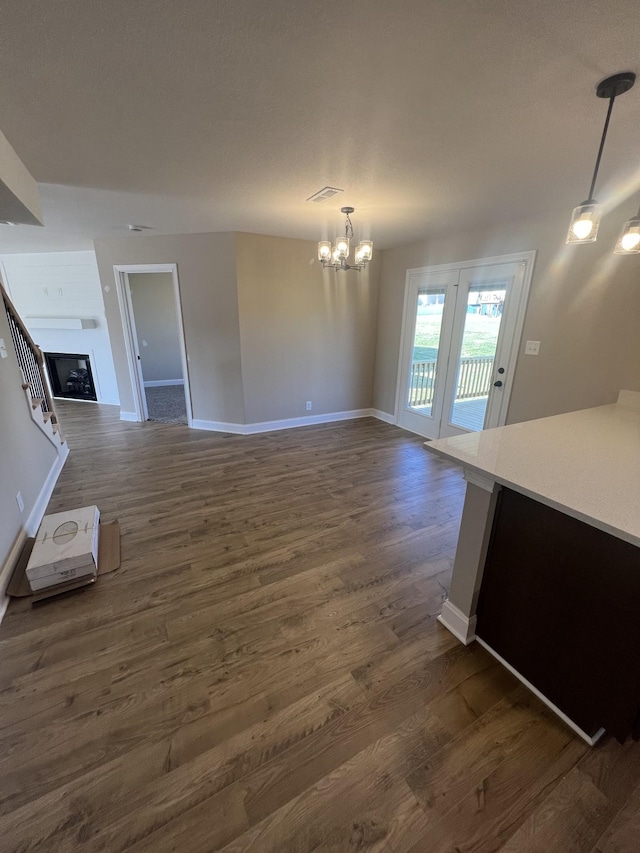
{"x":348,"y":228}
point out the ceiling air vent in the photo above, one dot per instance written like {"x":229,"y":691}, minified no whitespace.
{"x":324,"y":194}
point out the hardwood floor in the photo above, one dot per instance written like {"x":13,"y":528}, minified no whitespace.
{"x":265,"y":672}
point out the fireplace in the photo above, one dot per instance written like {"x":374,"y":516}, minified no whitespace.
{"x":70,"y":375}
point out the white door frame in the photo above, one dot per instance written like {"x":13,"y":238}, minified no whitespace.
{"x":528,"y":260}
{"x":121,"y":273}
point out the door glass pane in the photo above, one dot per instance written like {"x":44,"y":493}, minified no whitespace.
{"x":422,"y":375}
{"x":477,"y":353}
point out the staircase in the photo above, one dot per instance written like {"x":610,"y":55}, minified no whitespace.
{"x":35,"y":381}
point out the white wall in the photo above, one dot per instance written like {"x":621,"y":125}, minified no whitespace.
{"x":64,"y":285}
{"x":306,"y":333}
{"x":156,"y":321}
{"x":208,"y":294}
{"x":26,"y":454}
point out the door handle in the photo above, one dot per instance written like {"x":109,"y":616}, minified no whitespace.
{"x":497,"y":383}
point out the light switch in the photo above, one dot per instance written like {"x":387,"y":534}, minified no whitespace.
{"x":3,"y":349}
{"x":532,"y":348}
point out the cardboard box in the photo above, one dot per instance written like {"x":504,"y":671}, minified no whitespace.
{"x":66,"y":541}
{"x":108,"y":561}
{"x":89,"y":571}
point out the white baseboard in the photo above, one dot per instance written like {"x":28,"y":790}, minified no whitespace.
{"x":590,"y":740}
{"x":218,"y":426}
{"x":286,"y":423}
{"x":40,"y":507}
{"x":156,"y":383}
{"x":7,"y":570}
{"x":31,"y":525}
{"x":461,"y":626}
{"x":384,"y":416}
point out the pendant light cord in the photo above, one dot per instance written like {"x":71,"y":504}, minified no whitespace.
{"x":600,"y":150}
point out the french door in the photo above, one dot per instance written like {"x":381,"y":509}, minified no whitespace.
{"x":460,"y":334}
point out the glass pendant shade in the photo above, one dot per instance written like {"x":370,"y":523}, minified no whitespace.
{"x":324,"y":250}
{"x":585,"y":221}
{"x":342,"y":247}
{"x":365,"y":249}
{"x":629,"y":241}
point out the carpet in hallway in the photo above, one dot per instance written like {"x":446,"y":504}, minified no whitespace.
{"x":166,"y":404}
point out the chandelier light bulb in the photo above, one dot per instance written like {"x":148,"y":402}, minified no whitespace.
{"x":582,"y":228}
{"x":630,"y":241}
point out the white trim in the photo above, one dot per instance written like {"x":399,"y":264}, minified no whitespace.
{"x":527,"y":258}
{"x":46,"y":426}
{"x":121,"y":273}
{"x":218,"y":426}
{"x":31,"y":525}
{"x":39,"y":508}
{"x":4,"y":278}
{"x":590,"y":740}
{"x":128,"y":343}
{"x":384,"y":416}
{"x":286,"y":423}
{"x":156,"y":383}
{"x":481,"y":482}
{"x":461,"y":626}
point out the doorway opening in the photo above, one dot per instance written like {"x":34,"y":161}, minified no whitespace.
{"x":461,"y":330}
{"x":152,"y":317}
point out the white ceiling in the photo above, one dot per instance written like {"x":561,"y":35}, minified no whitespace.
{"x":193,"y":115}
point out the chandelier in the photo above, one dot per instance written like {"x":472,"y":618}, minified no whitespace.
{"x":336,"y":257}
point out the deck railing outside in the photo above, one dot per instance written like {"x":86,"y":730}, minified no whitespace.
{"x":474,"y":380}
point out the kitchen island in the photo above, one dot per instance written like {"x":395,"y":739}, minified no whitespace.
{"x":547,"y":568}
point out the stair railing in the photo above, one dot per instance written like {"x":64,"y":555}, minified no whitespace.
{"x":30,"y":359}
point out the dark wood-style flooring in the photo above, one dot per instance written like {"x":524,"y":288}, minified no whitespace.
{"x":266,"y":673}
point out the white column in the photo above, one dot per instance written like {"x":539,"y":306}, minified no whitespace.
{"x":459,"y":610}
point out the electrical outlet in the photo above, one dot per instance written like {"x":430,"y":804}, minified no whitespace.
{"x":308,"y":405}
{"x":532,"y":348}
{"x":20,"y":502}
{"x":3,"y":349}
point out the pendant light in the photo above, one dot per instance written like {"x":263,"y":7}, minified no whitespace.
{"x":629,"y":241}
{"x":585,"y":219}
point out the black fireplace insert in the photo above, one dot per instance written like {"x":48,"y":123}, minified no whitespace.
{"x":70,"y":375}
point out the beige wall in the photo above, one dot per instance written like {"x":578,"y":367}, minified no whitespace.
{"x":156,"y":320}
{"x":307,"y":333}
{"x":207,"y":274}
{"x":584,"y":307}
{"x":26,"y":455}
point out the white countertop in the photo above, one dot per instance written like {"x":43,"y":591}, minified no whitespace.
{"x":586,"y":464}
